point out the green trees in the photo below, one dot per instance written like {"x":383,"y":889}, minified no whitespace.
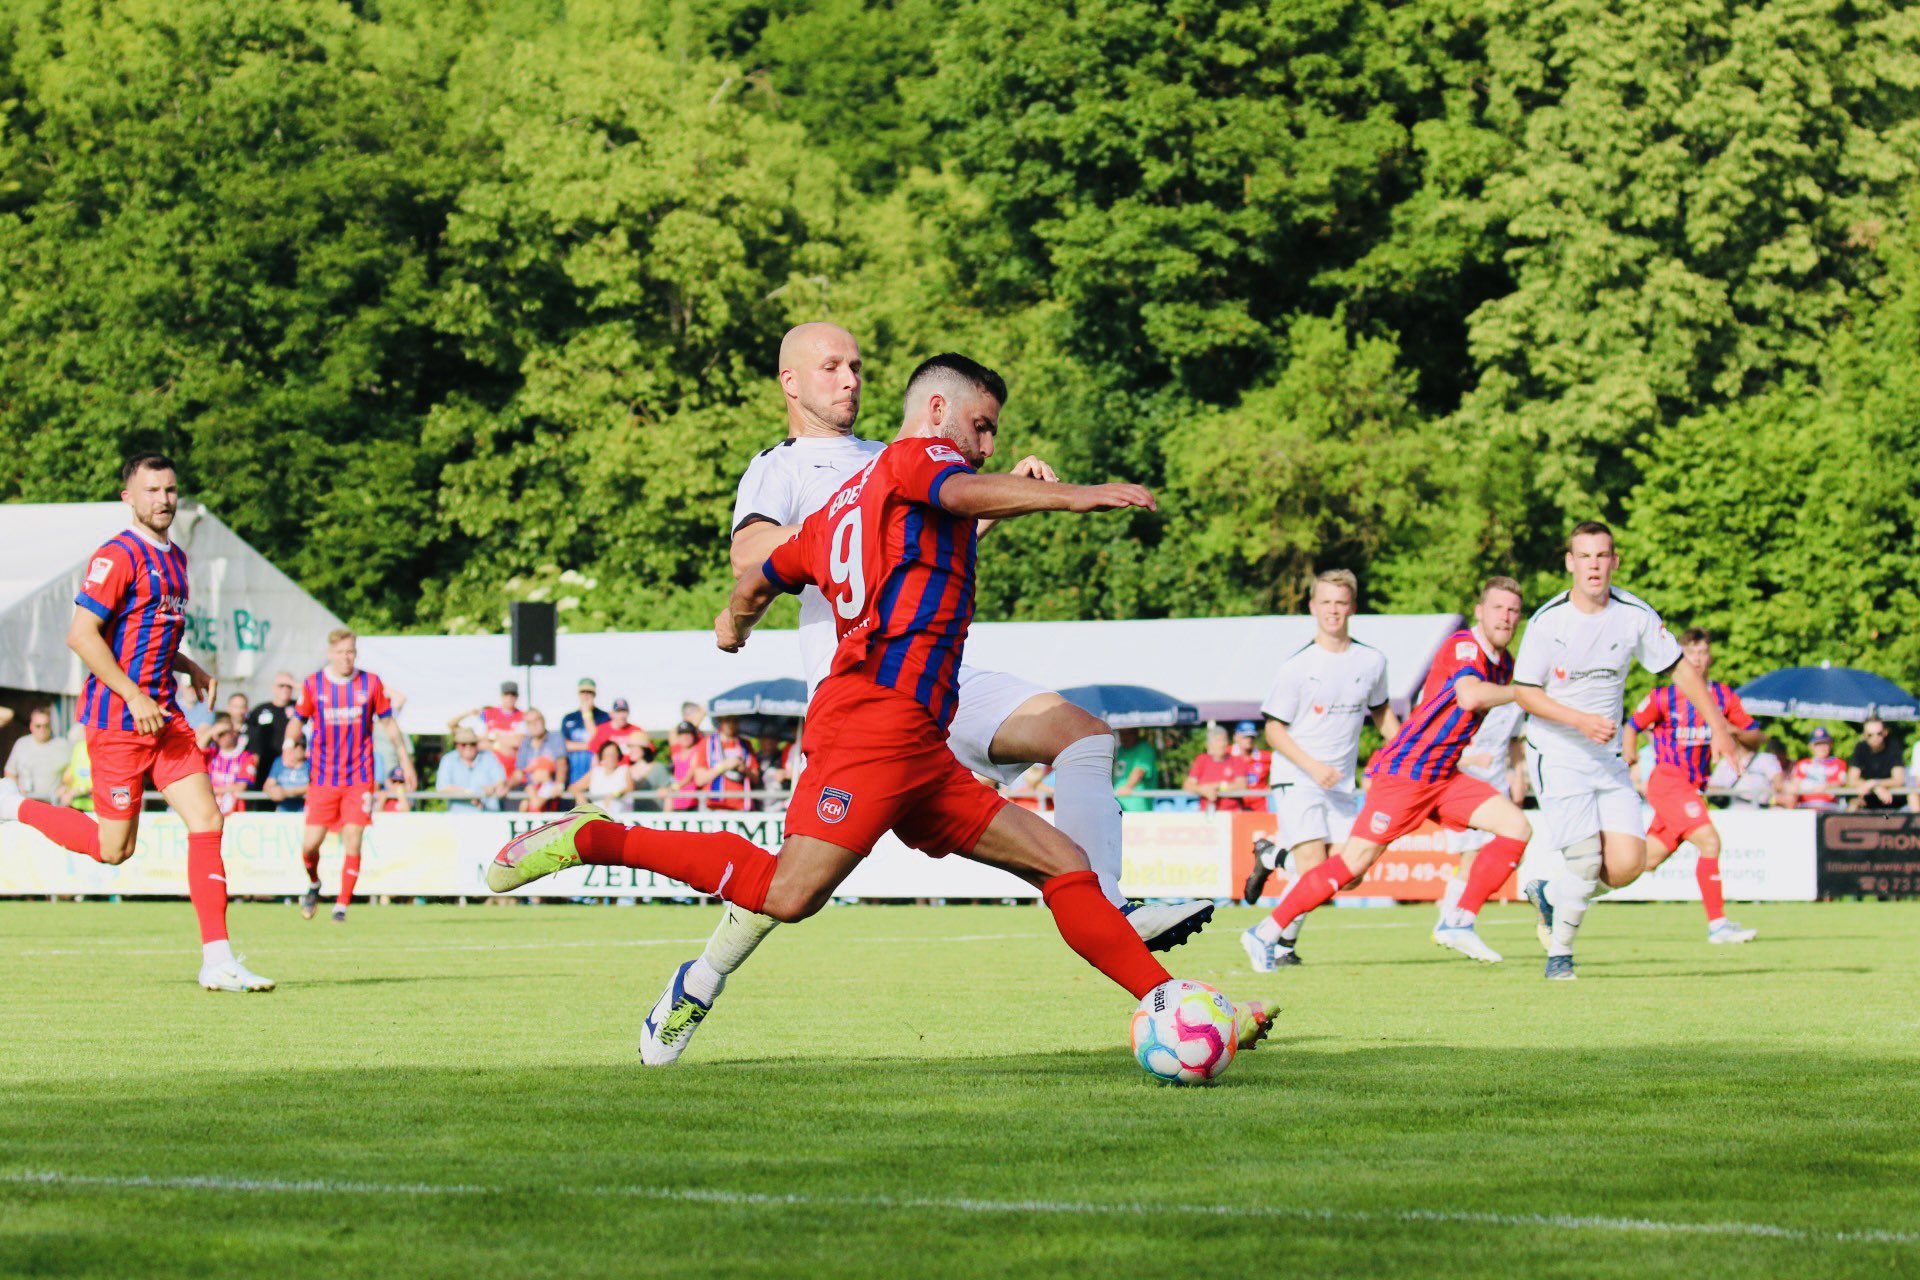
{"x":449,"y":302}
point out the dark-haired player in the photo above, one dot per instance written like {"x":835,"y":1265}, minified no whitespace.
{"x":893,"y":550}
{"x":129,"y":617}
{"x":1682,"y":761}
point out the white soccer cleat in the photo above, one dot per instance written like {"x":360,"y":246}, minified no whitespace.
{"x":231,"y":975}
{"x":1260,"y":952}
{"x":1723,"y":931}
{"x":1165,"y":925}
{"x":10,"y":799}
{"x":676,"y":1015}
{"x":1467,"y":942}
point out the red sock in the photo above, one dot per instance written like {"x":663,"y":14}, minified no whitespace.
{"x":312,"y":861}
{"x":1096,"y":930}
{"x":207,"y":884}
{"x":1311,"y":890}
{"x":1491,"y":867}
{"x":71,"y":829}
{"x":349,"y":876}
{"x":717,"y":862}
{"x":1707,"y":872}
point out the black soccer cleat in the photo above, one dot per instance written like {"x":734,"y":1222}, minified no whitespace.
{"x":1265,"y":862}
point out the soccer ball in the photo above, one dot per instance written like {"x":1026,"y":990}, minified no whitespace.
{"x":1185,"y":1032}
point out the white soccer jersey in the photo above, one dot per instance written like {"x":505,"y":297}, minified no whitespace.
{"x":1324,"y":698}
{"x":1581,"y":660}
{"x":1495,"y":739}
{"x":786,"y":484}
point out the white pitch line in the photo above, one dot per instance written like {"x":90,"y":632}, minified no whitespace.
{"x":970,"y":1205}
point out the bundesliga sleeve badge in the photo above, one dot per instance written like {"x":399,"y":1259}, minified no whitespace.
{"x":97,"y":571}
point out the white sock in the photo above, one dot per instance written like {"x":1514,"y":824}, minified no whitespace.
{"x":733,"y":940}
{"x":216,"y":952}
{"x":1569,"y":894}
{"x":1291,"y":934}
{"x":1268,"y":932}
{"x":1450,"y":896}
{"x":1084,"y":808}
{"x":703,"y":982}
{"x":1455,"y":918}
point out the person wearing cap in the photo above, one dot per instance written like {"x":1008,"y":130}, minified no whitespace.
{"x":1811,"y":782}
{"x":577,"y":728}
{"x":635,"y":742}
{"x":540,"y":743}
{"x":1256,"y":759}
{"x":542,"y":791}
{"x":686,"y":748}
{"x":472,"y":779}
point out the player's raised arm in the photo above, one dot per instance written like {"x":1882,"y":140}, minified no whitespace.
{"x":996,"y":497}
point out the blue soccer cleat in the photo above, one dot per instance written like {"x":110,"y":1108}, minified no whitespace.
{"x":1536,"y":891}
{"x":1560,"y":969}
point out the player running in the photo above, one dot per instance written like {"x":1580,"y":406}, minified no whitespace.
{"x":1681,"y":763}
{"x":342,"y":703}
{"x":894,"y":547}
{"x":1325,"y":692}
{"x":1414,"y":777}
{"x":129,"y":618}
{"x":1495,"y":757}
{"x":1571,"y":677}
{"x":1003,"y":724}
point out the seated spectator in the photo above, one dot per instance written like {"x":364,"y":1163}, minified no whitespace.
{"x":609,"y":783}
{"x":230,"y":766}
{"x":1754,"y":777}
{"x":540,"y":743}
{"x":1136,"y":768}
{"x":393,"y":792}
{"x":1259,"y":765}
{"x":685,"y":749}
{"x":1811,"y":783}
{"x":198,"y":714}
{"x":77,"y":781}
{"x":385,"y":757}
{"x":542,"y":788}
{"x":38,"y":760}
{"x":577,"y":728}
{"x":635,"y":743}
{"x":287,"y":781}
{"x":729,"y":768}
{"x":1215,"y":771}
{"x":1875,"y":767}
{"x":472,"y":779}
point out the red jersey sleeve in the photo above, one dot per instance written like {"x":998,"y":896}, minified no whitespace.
{"x":382,"y":706}
{"x":304,"y":709}
{"x":795,"y":563}
{"x":109,"y":575}
{"x":924,"y":465}
{"x":1649,"y":713}
{"x":1736,"y":711}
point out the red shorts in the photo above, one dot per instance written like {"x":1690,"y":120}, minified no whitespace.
{"x":337,"y":807}
{"x":1678,"y":810}
{"x":877,"y":762}
{"x":123,"y":760}
{"x":1396,"y":806}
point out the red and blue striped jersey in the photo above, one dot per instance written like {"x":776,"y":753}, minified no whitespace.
{"x":339,"y":715}
{"x":897,"y":569}
{"x":1429,"y":744}
{"x":139,"y":591}
{"x":1682,"y":739}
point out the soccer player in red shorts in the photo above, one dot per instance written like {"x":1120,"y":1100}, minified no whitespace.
{"x":893,"y":550}
{"x":1682,"y":759}
{"x":340,"y":705}
{"x":1416,"y":776}
{"x":129,"y":617}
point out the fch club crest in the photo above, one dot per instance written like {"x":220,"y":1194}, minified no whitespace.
{"x":834,"y":803}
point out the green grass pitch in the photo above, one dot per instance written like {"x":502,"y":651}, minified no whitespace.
{"x":441,"y":1091}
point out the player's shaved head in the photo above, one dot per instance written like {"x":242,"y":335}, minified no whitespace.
{"x":820,"y":378}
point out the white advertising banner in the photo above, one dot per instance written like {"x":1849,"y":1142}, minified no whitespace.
{"x":1769,"y":856}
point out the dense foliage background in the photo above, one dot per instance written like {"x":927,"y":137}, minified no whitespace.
{"x":444,"y":303}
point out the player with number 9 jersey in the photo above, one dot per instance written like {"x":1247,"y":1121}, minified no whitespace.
{"x":898,"y":571}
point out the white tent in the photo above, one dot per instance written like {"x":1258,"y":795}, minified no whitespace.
{"x":1222,"y":665}
{"x":245,"y":618}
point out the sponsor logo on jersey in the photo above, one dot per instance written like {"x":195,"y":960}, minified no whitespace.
{"x":834,"y":804}
{"x":1559,"y":673}
{"x":97,"y":571}
{"x":1319,"y":710}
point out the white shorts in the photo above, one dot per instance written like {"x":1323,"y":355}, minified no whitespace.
{"x":1306,"y":812}
{"x":987,"y":698}
{"x":1582,"y":798}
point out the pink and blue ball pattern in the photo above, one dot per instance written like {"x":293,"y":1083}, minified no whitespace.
{"x":1185,"y":1032}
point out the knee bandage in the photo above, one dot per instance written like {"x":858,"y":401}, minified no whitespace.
{"x":1583,"y":858}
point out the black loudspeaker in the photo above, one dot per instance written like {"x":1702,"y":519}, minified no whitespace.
{"x":532,"y":634}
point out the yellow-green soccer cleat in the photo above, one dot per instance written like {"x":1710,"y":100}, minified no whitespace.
{"x":540,"y":852}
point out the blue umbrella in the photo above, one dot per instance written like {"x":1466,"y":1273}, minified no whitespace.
{"x":1132,"y":706}
{"x":1828,"y":693}
{"x":782,"y":697}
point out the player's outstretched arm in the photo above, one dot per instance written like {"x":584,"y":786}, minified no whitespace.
{"x":1475,"y":694}
{"x":1534,"y":701}
{"x":91,"y":647}
{"x":996,"y":497}
{"x":755,"y":542}
{"x":753,"y":595}
{"x":1031,"y":465}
